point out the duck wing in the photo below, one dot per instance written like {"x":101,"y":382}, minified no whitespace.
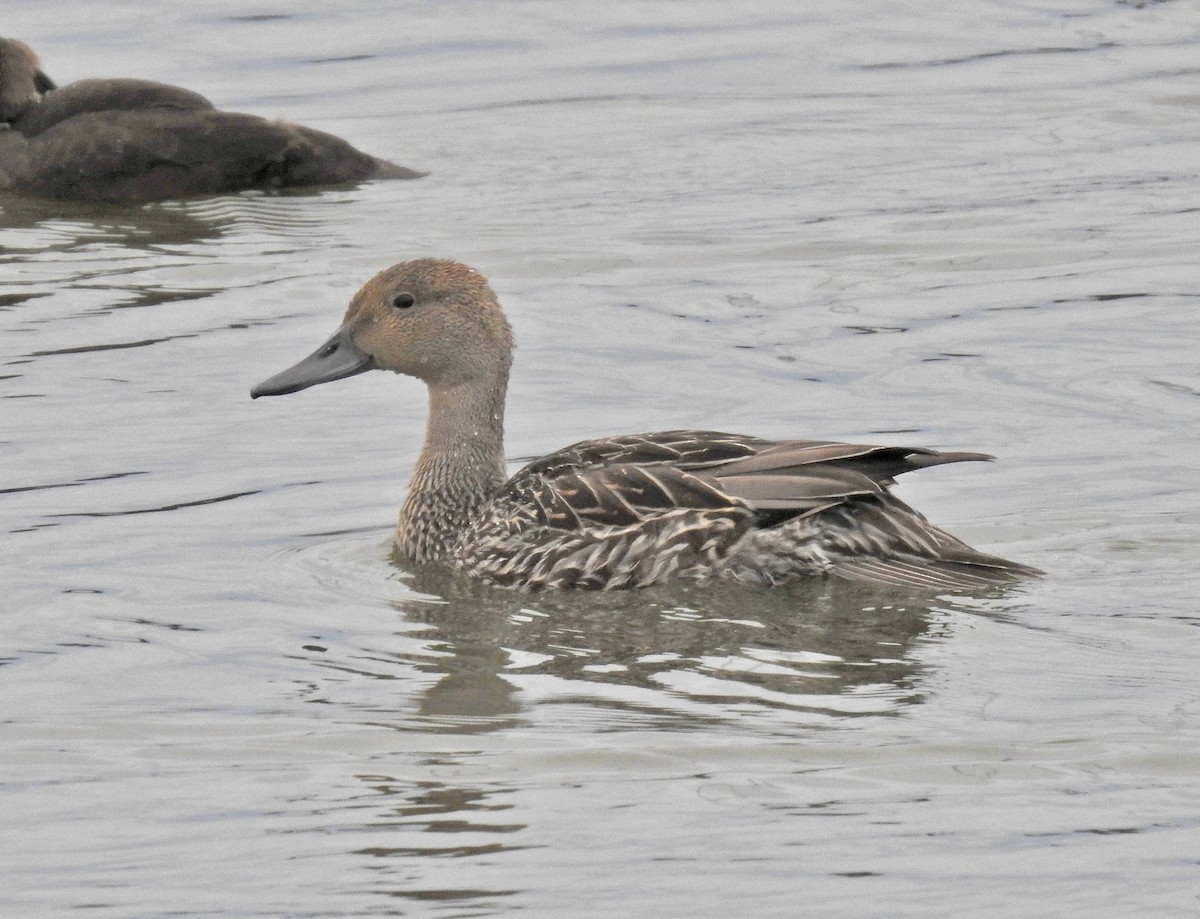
{"x":683,"y":449}
{"x":861,"y":531}
{"x":741,"y":454}
{"x":622,"y":479}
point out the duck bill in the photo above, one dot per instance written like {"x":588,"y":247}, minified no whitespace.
{"x":337,"y":358}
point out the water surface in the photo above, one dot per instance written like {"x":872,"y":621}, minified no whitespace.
{"x":970,"y":228}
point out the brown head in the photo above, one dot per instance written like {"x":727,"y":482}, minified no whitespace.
{"x":22,"y":81}
{"x":433,"y":319}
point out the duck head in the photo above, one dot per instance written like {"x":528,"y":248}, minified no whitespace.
{"x":22,"y":81}
{"x":433,"y":319}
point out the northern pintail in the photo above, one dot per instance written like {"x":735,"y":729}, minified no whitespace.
{"x":136,"y":140}
{"x":627,"y":511}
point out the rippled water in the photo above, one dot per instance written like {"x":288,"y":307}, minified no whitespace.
{"x":970,"y":227}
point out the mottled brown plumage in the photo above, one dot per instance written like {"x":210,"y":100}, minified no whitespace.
{"x":136,"y":140}
{"x":627,"y":511}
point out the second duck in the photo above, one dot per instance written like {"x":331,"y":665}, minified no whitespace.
{"x":124,"y":140}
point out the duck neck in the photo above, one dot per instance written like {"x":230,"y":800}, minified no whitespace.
{"x":460,"y":468}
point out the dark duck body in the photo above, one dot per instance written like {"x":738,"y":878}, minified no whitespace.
{"x":136,"y":140}
{"x":627,"y":511}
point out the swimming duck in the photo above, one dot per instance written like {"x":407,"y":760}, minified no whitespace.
{"x":627,"y":511}
{"x":136,"y":140}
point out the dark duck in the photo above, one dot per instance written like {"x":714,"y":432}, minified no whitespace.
{"x":136,"y":140}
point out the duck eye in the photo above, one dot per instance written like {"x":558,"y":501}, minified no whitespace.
{"x":403,"y":301}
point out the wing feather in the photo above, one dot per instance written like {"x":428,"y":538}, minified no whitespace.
{"x":633,"y":510}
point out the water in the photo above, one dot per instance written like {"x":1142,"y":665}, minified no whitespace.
{"x":969,"y":228}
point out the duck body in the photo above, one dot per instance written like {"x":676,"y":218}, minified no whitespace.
{"x":627,"y":511}
{"x":137,"y":140}
{"x":639,"y":510}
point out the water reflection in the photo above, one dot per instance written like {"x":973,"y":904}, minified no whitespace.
{"x":665,"y":657}
{"x":435,"y":821}
{"x":519,"y":687}
{"x":69,"y":224}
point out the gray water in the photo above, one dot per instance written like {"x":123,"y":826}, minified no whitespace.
{"x":968,"y":226}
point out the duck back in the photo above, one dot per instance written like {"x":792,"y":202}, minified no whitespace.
{"x":84,"y":96}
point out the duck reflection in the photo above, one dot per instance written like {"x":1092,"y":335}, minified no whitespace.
{"x":93,"y":259}
{"x":67,"y":225}
{"x":435,"y":822}
{"x":708,"y":651}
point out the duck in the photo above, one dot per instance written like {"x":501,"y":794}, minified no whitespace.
{"x":130,"y":140}
{"x":628,"y":511}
